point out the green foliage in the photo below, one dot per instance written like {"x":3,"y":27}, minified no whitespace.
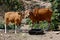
{"x":13,"y":5}
{"x":1,"y":26}
{"x":41,"y":25}
{"x":56,"y":13}
{"x":57,"y":1}
{"x":57,"y":5}
{"x":10,"y":26}
{"x":51,"y":0}
{"x":28,"y":21}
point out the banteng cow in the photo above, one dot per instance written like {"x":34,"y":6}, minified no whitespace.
{"x":40,"y":15}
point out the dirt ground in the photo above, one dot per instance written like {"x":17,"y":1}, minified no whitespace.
{"x":51,"y":35}
{"x":10,"y":35}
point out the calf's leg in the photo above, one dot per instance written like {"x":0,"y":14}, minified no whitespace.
{"x":15,"y":29}
{"x":5,"y":28}
{"x":6,"y":24}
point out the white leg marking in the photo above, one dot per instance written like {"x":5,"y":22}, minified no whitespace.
{"x":15,"y":29}
{"x":5,"y":28}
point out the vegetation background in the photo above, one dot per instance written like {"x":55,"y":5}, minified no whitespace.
{"x":20,"y":5}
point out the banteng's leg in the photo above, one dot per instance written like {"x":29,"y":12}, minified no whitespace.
{"x":15,"y":29}
{"x":32,"y":25}
{"x":38,"y":24}
{"x":18,"y":27}
{"x":49,"y":23}
{"x":19,"y":30}
{"x":6,"y":24}
{"x":5,"y":28}
{"x":49,"y":26}
{"x":16,"y":24}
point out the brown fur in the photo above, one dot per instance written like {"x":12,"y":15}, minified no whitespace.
{"x":13,"y":17}
{"x":41,"y":14}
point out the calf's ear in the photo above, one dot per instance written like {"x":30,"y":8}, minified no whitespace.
{"x":20,"y":13}
{"x":30,"y":13}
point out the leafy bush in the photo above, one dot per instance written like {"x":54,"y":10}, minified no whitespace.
{"x":57,"y":1}
{"x":56,"y":13}
{"x":1,"y":26}
{"x":51,"y":0}
{"x":28,"y":21}
{"x":12,"y":5}
{"x":11,"y":26}
{"x":42,"y":25}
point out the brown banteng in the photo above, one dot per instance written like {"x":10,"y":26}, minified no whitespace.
{"x":13,"y":17}
{"x":40,"y":15}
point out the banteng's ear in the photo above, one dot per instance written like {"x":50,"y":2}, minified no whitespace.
{"x":19,"y":13}
{"x":23,"y":15}
{"x":30,"y":13}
